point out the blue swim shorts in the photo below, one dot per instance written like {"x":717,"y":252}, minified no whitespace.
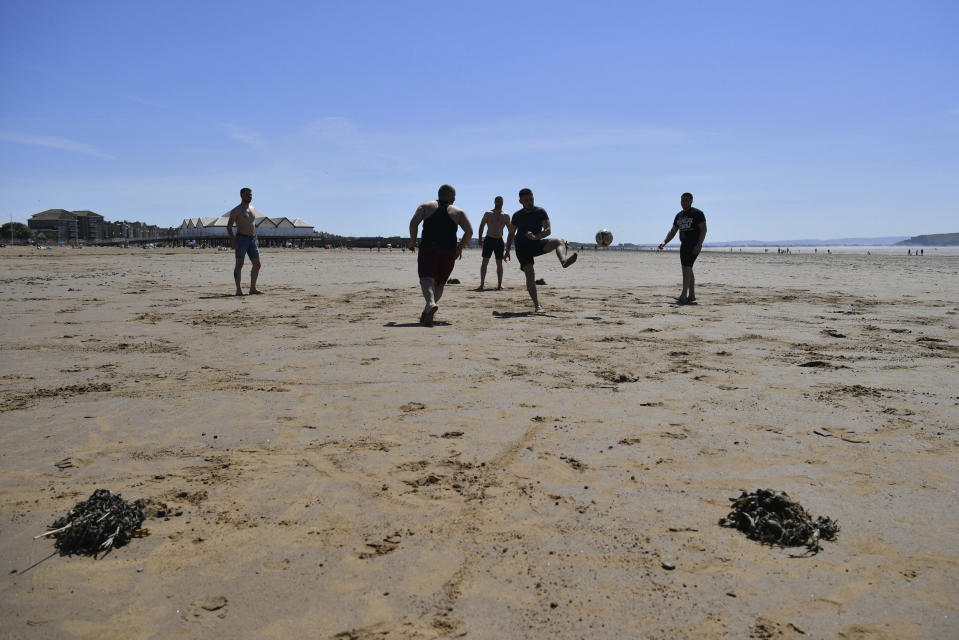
{"x":246,"y":245}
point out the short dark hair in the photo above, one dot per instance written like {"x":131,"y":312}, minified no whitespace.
{"x":445,"y":192}
{"x":525,"y":191}
{"x":497,"y":198}
{"x":245,"y":189}
{"x":687,"y":195}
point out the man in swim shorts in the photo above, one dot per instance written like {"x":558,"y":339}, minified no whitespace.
{"x":691,"y":224}
{"x":494,"y":220}
{"x":530,"y":228}
{"x":244,"y":242}
{"x":438,"y":248}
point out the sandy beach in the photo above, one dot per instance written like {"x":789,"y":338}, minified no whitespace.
{"x":331,"y":469}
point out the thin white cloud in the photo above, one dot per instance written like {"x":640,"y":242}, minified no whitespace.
{"x":507,"y":136}
{"x":406,"y":150}
{"x":332,"y":127}
{"x":150,"y":103}
{"x":244,"y":135}
{"x":52,"y":142}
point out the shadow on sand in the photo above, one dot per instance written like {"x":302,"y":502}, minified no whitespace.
{"x":402,"y":325}
{"x":220,"y":295}
{"x":520,"y":314}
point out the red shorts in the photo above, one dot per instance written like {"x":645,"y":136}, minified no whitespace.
{"x":435,"y":262}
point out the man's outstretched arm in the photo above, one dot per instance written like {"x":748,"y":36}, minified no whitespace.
{"x":669,"y":236}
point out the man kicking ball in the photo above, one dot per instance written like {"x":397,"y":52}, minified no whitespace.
{"x":530,"y":228}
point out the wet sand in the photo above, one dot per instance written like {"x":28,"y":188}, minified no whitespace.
{"x":334,"y":470}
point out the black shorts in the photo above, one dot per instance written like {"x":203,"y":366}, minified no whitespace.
{"x":526,"y":250}
{"x":686,"y":255}
{"x":491,"y":246}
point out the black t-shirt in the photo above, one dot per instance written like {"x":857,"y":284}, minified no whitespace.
{"x":532,"y":220}
{"x":688,"y":222}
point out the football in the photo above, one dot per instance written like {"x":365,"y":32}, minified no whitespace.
{"x":604,"y":237}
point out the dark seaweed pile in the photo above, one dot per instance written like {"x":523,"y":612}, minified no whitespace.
{"x":102,"y":521}
{"x":771,"y":517}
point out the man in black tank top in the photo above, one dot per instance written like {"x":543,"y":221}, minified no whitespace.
{"x":438,"y":248}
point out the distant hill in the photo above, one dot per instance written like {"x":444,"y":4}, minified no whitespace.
{"x":813,"y":242}
{"x":932,"y":240}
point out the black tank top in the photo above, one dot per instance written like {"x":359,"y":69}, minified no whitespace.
{"x":439,"y":229}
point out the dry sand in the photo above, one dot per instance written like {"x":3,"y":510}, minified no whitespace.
{"x":334,"y":470}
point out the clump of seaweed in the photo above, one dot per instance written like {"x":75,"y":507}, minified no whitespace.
{"x":94,"y":525}
{"x":772,"y":518}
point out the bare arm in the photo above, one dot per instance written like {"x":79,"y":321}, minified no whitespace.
{"x":509,"y":239}
{"x":482,"y":226}
{"x":702,"y":236}
{"x":467,"y":228}
{"x":414,"y":225}
{"x":669,"y":236}
{"x":544,"y":234}
{"x":229,"y":228}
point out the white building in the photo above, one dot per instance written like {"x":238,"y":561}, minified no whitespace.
{"x":266,"y":227}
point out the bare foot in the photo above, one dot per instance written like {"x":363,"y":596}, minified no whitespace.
{"x":428,"y":316}
{"x":570,"y":260}
{"x":255,"y":292}
{"x":238,"y":293}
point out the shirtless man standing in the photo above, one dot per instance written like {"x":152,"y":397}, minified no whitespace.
{"x":439,"y":250}
{"x":244,"y":242}
{"x":494,"y":220}
{"x":530,"y":227}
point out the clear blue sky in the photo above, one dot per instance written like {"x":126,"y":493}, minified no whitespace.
{"x":785,"y":119}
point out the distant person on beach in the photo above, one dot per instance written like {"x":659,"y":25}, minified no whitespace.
{"x":494,"y":220}
{"x":530,"y":228}
{"x":244,"y":241}
{"x":438,"y":249}
{"x":691,"y":224}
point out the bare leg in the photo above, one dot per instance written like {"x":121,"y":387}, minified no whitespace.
{"x":254,"y":272}
{"x":531,"y":286}
{"x":687,"y":277}
{"x":428,"y":285}
{"x":237,"y":270}
{"x":499,"y":274}
{"x":692,"y":285}
{"x":438,"y":291}
{"x":561,"y":251}
{"x":483,"y":272}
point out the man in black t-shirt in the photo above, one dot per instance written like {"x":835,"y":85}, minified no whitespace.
{"x":691,"y":224}
{"x":530,"y":228}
